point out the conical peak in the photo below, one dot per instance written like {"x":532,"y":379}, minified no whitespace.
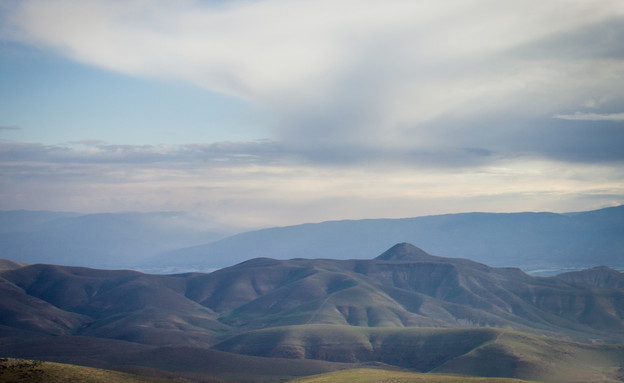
{"x":403,"y":252}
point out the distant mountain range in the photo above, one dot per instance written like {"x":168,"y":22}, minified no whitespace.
{"x":545,"y":243}
{"x":404,"y":308}
{"x":107,"y":240}
{"x":540,"y":243}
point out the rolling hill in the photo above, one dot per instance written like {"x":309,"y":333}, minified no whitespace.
{"x":367,"y":375}
{"x":28,"y":371}
{"x":477,"y":352}
{"x":403,"y":287}
{"x":403,"y":308}
{"x":543,"y":243}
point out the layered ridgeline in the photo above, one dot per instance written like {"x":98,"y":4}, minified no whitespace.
{"x":404,"y":308}
{"x":542,"y":243}
{"x":164,"y":242}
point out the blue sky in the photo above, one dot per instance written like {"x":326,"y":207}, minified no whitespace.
{"x":53,"y":100}
{"x":277,"y":112}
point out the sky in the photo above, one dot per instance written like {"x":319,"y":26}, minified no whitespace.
{"x":258,"y":113}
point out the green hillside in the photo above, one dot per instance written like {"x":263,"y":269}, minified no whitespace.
{"x":367,"y":375}
{"x":28,"y":371}
{"x":469,"y":351}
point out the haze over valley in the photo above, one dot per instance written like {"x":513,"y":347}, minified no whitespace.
{"x":538,"y":243}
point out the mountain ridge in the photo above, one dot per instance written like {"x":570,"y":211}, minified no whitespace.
{"x":404,"y":252}
{"x":390,"y":310}
{"x":402,"y":287}
{"x":531,"y":241}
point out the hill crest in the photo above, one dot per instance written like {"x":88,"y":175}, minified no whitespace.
{"x":404,"y":252}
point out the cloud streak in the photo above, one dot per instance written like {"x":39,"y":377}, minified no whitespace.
{"x":257,"y":184}
{"x":615,"y":117}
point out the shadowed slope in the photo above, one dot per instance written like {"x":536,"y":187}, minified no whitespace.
{"x":114,"y":304}
{"x":183,"y":363}
{"x":407,"y":287}
{"x":477,"y":352}
{"x":601,"y":277}
{"x":404,"y":287}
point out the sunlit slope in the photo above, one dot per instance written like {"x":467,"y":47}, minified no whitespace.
{"x":194,"y":363}
{"x":476,"y":352}
{"x":28,"y":371}
{"x":367,"y":375}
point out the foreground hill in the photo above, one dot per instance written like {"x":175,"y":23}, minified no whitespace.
{"x":367,"y":375}
{"x":465,"y":352}
{"x":480,"y":352}
{"x":183,"y":363}
{"x":531,"y":241}
{"x":27,"y":371}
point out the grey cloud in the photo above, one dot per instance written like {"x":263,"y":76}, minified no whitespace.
{"x":98,"y":152}
{"x":601,"y":40}
{"x":22,"y":156}
{"x":578,"y":116}
{"x":576,"y":140}
{"x":9,"y":127}
{"x":579,"y":141}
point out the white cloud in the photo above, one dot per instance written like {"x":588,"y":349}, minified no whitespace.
{"x":395,"y":62}
{"x":578,"y":116}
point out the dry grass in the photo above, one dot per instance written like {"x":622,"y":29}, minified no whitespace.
{"x":20,"y":370}
{"x":367,"y":375}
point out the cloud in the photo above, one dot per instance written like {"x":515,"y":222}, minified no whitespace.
{"x":10,"y":127}
{"x":578,"y":116}
{"x":240,"y":154}
{"x":352,"y":72}
{"x":258,"y":185}
{"x":97,"y":152}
